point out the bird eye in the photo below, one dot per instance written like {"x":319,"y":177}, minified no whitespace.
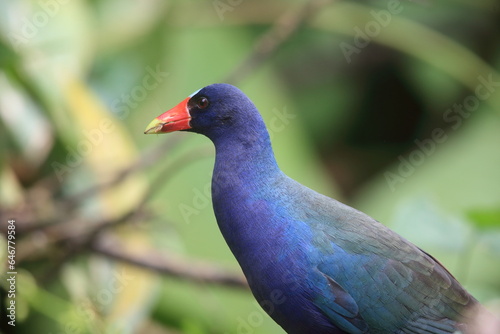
{"x":202,"y":102}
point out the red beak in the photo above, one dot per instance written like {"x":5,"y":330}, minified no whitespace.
{"x":175,"y":119}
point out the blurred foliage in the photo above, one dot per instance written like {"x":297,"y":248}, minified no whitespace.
{"x":393,"y":107}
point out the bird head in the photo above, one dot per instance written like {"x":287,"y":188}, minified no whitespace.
{"x":209,"y":111}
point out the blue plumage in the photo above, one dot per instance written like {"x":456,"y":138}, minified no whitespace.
{"x":315,"y":264}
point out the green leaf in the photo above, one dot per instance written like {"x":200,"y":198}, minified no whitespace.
{"x":485,"y":218}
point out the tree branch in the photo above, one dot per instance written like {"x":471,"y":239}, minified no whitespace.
{"x":29,"y":222}
{"x":169,"y":265}
{"x":78,"y":241}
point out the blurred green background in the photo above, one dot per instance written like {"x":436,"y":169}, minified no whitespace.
{"x":392,"y":107}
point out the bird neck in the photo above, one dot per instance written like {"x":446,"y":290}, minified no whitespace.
{"x":245,"y":173}
{"x":245,"y":154}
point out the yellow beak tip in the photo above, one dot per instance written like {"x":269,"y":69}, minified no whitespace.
{"x":153,"y":127}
